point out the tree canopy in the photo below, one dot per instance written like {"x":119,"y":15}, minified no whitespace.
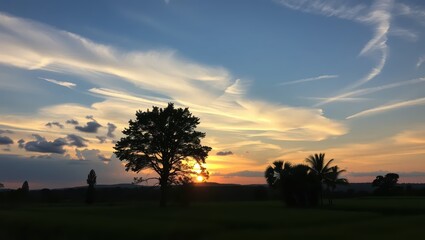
{"x":164,"y":140}
{"x":386,"y":184}
{"x":91,"y":178}
{"x":25,"y":187}
{"x":91,"y":181}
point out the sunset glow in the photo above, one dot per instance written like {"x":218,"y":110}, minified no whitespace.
{"x":199,"y":178}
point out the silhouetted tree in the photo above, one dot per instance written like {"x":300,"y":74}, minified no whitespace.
{"x":91,"y":181}
{"x":379,"y":180}
{"x":273,"y":173}
{"x":25,"y":187}
{"x":23,"y":192}
{"x":332,"y":179}
{"x":296,"y":183}
{"x":1,"y":185}
{"x":386,"y":184}
{"x":320,"y":168}
{"x":165,"y":141}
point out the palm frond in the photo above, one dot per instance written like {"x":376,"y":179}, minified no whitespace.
{"x":326,"y":167}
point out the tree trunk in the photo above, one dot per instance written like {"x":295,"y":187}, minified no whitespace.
{"x":164,"y":184}
{"x":164,"y":187}
{"x":90,"y":194}
{"x":164,"y":192}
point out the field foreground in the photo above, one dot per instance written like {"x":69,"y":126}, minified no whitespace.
{"x":367,"y":218}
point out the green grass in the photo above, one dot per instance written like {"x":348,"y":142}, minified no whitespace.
{"x":367,"y":218}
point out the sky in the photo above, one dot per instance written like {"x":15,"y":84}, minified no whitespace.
{"x":269,"y":80}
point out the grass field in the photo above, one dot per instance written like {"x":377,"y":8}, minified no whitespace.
{"x":364,"y":218}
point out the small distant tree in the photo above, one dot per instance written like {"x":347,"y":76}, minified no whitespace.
{"x":91,"y":181}
{"x":23,"y":192}
{"x":386,"y":184}
{"x":25,"y":187}
{"x":1,"y":185}
{"x":165,"y":141}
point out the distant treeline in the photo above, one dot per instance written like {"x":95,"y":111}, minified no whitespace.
{"x":185,"y":194}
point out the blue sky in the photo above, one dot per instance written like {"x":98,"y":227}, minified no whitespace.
{"x":269,"y":79}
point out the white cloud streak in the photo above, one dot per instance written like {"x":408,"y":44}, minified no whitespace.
{"x":330,"y":8}
{"x":374,"y":72}
{"x":60,"y":83}
{"x":389,"y":107}
{"x":341,"y":99}
{"x":321,"y":77}
{"x":421,"y":60}
{"x":380,"y":18}
{"x":415,"y":12}
{"x":378,"y":15}
{"x":365,"y":91}
{"x":404,"y":33}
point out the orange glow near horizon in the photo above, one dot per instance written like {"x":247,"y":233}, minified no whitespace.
{"x":199,"y":178}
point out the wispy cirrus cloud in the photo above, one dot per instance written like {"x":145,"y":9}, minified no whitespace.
{"x":321,"y":77}
{"x":389,"y":107}
{"x":415,"y":12}
{"x":365,"y":91}
{"x":341,"y":99}
{"x":152,"y":78}
{"x":404,"y":33}
{"x":60,"y":83}
{"x":380,"y":18}
{"x":377,"y":15}
{"x":421,"y":60}
{"x":341,"y":9}
{"x":414,"y":136}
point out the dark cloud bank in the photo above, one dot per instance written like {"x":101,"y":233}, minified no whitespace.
{"x":72,"y":122}
{"x":42,"y":145}
{"x":4,"y":140}
{"x":57,"y":124}
{"x":91,"y":127}
{"x":77,"y":141}
{"x":224,"y":153}
{"x":111,"y":129}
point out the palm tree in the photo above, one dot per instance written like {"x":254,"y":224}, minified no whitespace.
{"x":295,"y":182}
{"x":332,"y":179}
{"x":274,"y":173}
{"x":321,"y":169}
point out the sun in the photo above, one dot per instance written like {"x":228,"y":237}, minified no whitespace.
{"x":199,"y":178}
